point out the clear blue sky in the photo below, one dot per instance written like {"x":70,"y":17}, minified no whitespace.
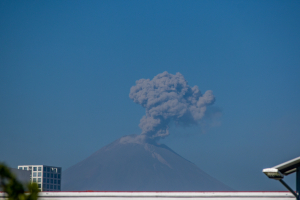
{"x":66,"y":68}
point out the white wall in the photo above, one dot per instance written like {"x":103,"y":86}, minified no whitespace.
{"x":164,"y":195}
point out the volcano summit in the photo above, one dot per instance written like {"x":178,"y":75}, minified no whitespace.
{"x":133,"y":164}
{"x":138,"y":162}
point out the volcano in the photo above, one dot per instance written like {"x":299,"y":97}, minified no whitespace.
{"x":128,"y":164}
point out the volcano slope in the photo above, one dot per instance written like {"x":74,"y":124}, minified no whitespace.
{"x":128,"y":165}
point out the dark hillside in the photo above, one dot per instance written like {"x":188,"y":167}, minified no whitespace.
{"x":137,"y":166}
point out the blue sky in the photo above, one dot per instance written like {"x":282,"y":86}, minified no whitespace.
{"x":66,"y":68}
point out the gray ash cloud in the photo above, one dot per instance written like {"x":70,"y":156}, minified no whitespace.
{"x":168,"y":98}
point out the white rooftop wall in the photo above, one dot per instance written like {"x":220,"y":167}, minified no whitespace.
{"x":164,"y":195}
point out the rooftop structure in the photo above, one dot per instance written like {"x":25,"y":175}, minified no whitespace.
{"x":279,"y":171}
{"x":93,"y":195}
{"x":48,"y":178}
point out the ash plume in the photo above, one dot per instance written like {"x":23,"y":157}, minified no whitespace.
{"x":168,"y":98}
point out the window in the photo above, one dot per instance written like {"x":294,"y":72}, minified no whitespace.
{"x":39,"y":180}
{"x":58,"y":187}
{"x":55,"y":187}
{"x":51,"y":186}
{"x":51,"y":175}
{"x":54,"y":181}
{"x":48,"y":169}
{"x":39,"y":168}
{"x":47,"y":180}
{"x":45,"y":175}
{"x":58,"y":170}
{"x":55,"y":175}
{"x":44,"y":180}
{"x":20,"y":167}
{"x":34,"y":168}
{"x":51,"y":180}
{"x":25,"y":168}
{"x":44,"y":185}
{"x":48,"y":175}
{"x":34,"y":174}
{"x":39,"y":174}
{"x":58,"y":175}
{"x":58,"y":182}
{"x":30,"y":168}
{"x":47,"y":186}
{"x":34,"y":180}
{"x":45,"y":169}
{"x":39,"y":185}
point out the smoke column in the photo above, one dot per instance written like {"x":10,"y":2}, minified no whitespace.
{"x":167,"y":98}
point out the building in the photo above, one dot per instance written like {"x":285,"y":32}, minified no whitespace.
{"x":48,"y":178}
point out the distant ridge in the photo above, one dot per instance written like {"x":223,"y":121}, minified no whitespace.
{"x":132,"y":165}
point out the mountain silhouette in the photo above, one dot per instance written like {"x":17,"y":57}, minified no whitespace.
{"x":128,"y":164}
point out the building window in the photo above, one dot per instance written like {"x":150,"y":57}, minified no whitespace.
{"x":39,"y":174}
{"x":20,"y":167}
{"x":54,"y":181}
{"x":45,"y":169}
{"x":58,"y":182}
{"x":55,"y":187}
{"x":39,"y":168}
{"x":58,"y":170}
{"x":39,"y":180}
{"x":34,"y":168}
{"x":58,"y":187}
{"x":39,"y":185}
{"x":51,"y":180}
{"x":51,"y":175}
{"x":34,"y":180}
{"x":25,"y":168}
{"x":51,"y":186}
{"x":34,"y":174}
{"x":44,"y":180}
{"x":48,"y":175}
{"x":58,"y":175}
{"x":45,"y":175}
{"x":47,"y":180}
{"x":44,"y":186}
{"x":48,"y":169}
{"x":55,"y":175}
{"x":47,"y":186}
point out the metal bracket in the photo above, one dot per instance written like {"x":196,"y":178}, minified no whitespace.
{"x":298,"y":182}
{"x":290,"y":189}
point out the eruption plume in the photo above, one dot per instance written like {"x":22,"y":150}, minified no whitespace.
{"x":168,"y":98}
